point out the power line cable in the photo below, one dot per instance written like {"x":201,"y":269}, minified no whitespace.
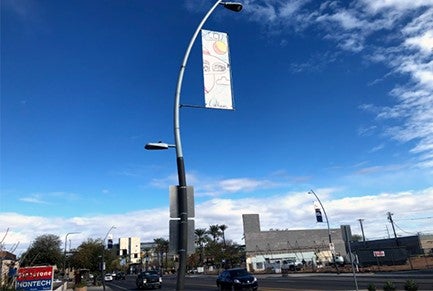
{"x":403,"y":230}
{"x":419,"y":218}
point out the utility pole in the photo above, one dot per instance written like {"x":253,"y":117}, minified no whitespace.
{"x":362,"y":229}
{"x":392,"y":224}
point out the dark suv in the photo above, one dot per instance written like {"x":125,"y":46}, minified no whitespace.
{"x":236,"y":279}
{"x":149,"y":279}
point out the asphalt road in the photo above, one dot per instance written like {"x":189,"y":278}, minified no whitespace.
{"x":304,"y":281}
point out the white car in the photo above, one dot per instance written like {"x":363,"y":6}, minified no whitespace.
{"x":108,"y":278}
{"x":291,"y":265}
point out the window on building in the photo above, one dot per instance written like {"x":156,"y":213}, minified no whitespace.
{"x":259,"y":266}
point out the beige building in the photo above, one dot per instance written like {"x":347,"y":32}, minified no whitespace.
{"x":129,"y":248}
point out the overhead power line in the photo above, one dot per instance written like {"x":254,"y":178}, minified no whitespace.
{"x":403,"y":229}
{"x":419,"y":218}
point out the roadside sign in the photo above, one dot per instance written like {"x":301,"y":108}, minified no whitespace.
{"x":379,"y":253}
{"x":35,"y":278}
{"x":174,"y":204}
{"x":174,"y":236}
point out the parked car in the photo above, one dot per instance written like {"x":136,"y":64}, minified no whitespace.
{"x":339,"y":260}
{"x":149,"y":279}
{"x":291,"y":265}
{"x":237,"y":279}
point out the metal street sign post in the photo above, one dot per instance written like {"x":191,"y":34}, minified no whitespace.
{"x":175,"y":223}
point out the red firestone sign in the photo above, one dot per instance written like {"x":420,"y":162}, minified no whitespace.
{"x":35,"y":278}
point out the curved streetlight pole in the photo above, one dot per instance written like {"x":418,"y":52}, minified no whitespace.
{"x":329,"y":230}
{"x":182,"y":202}
{"x":182,"y":193}
{"x":102,"y":256}
{"x":64,"y":254}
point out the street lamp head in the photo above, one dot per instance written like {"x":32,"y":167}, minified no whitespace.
{"x":158,"y":146}
{"x":233,"y":6}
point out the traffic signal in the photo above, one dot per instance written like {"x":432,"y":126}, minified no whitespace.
{"x":319,"y":217}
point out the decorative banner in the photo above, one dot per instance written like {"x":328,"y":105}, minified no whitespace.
{"x":35,"y":278}
{"x":216,"y":70}
{"x":319,"y":215}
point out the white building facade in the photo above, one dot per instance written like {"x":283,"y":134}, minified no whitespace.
{"x":129,"y":249}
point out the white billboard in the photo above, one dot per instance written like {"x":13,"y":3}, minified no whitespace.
{"x":216,"y":70}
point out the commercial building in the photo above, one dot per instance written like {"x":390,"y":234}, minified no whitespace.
{"x":271,"y":249}
{"x":129,"y":249}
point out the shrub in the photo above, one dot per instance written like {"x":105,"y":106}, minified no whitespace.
{"x":371,"y":287}
{"x":411,"y":285}
{"x":80,"y":284}
{"x":389,"y":286}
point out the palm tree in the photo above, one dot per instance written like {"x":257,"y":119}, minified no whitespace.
{"x":161,"y":248}
{"x":223,"y":227}
{"x":146,"y":257}
{"x":200,"y":239}
{"x":214,"y":231}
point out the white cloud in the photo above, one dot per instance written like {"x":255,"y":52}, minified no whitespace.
{"x":396,"y":33}
{"x":345,"y":19}
{"x":209,"y":186}
{"x":265,"y":12}
{"x":48,"y":198}
{"x":243,"y":184}
{"x":377,"y":148}
{"x":423,"y":42}
{"x":290,"y":8}
{"x":293,"y":210}
{"x":35,"y":199}
{"x":378,"y":5}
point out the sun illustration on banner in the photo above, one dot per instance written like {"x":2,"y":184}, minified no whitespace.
{"x":216,"y":70}
{"x":220,"y":47}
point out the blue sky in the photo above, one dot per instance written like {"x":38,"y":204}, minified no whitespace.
{"x":334,"y":96}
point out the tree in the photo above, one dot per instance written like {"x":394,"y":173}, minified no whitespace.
{"x":356,"y":237}
{"x":44,"y":250}
{"x":223,"y":227}
{"x":214,"y":231}
{"x":212,"y":252}
{"x":200,"y":239}
{"x":162,"y":248}
{"x":233,"y":255}
{"x":88,"y":255}
{"x":145,"y":256}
